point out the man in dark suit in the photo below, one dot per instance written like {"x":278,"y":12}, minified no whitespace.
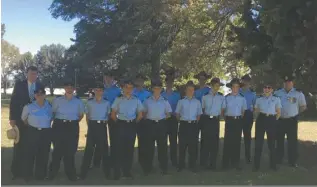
{"x":23,"y":94}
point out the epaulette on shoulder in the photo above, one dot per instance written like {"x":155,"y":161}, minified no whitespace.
{"x":77,"y":96}
{"x":220,"y":93}
{"x":274,"y":95}
{"x":252,"y":90}
{"x":206,"y":93}
{"x":58,"y":96}
{"x":227,"y":94}
{"x":241,"y":94}
{"x":299,"y":90}
{"x":90,"y":99}
{"x":105,"y":98}
{"x":120,"y":95}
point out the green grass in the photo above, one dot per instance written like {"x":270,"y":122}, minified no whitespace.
{"x":305,"y":174}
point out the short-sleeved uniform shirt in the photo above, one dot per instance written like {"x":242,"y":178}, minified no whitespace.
{"x":68,"y":109}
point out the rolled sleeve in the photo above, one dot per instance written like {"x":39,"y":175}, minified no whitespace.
{"x":25,"y":113}
{"x":302,"y":100}
{"x":244,"y":106}
{"x":199,"y":109}
{"x":81,"y":107}
{"x":278,"y":104}
{"x":115,"y":105}
{"x":178,"y":107}
{"x":140,"y":107}
{"x":168,"y":107}
{"x":203,"y":102}
{"x":145,"y":104}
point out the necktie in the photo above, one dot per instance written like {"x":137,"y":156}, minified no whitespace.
{"x":31,"y":91}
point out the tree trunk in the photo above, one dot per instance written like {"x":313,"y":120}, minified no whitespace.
{"x":155,"y":69}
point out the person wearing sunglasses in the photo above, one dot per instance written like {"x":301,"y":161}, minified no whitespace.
{"x":37,"y":117}
{"x":268,"y":107}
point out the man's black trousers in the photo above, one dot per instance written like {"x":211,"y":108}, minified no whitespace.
{"x":37,"y":149}
{"x":97,"y":139}
{"x":265,"y":124}
{"x":155,"y":131}
{"x":123,"y":147}
{"x":288,"y":127}
{"x":232,"y":142}
{"x":188,"y":140}
{"x":65,"y":143}
{"x":172,"y":128}
{"x":209,"y":143}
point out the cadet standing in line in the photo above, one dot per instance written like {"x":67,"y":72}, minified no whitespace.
{"x":212,"y":105}
{"x":172,"y":124}
{"x":203,"y":88}
{"x":97,"y":113}
{"x":268,"y":108}
{"x":250,"y":97}
{"x":68,"y":110}
{"x":188,"y":111}
{"x":293,"y":102}
{"x":234,"y":108}
{"x":111,"y":91}
{"x":141,"y":93}
{"x":126,"y":112}
{"x":37,"y":116}
{"x":23,"y":94}
{"x":156,"y":111}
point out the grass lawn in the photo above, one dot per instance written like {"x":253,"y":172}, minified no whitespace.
{"x":305,"y":174}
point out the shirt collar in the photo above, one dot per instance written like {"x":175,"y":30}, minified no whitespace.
{"x":189,"y":99}
{"x":289,"y":91}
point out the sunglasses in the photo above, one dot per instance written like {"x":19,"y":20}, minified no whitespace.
{"x":267,"y":87}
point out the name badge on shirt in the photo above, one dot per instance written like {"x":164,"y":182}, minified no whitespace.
{"x":292,"y":99}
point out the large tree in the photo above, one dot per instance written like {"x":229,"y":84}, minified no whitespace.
{"x":51,"y":62}
{"x":9,"y":55}
{"x":20,"y":67}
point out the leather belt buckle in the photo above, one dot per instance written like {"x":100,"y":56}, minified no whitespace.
{"x":211,"y":117}
{"x":39,"y":129}
{"x":191,"y":121}
{"x":156,"y":121}
{"x":98,"y":121}
{"x":129,"y":121}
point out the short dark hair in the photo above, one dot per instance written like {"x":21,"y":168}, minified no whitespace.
{"x":31,"y":68}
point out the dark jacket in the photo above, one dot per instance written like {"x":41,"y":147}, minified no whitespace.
{"x":20,"y":97}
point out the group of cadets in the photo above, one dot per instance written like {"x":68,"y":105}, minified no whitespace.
{"x":154,"y":118}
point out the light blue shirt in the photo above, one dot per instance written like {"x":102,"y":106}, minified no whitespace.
{"x":199,"y":93}
{"x":127,"y":108}
{"x":250,"y":97}
{"x":98,"y":110}
{"x":268,"y":105}
{"x":37,"y":116}
{"x":68,"y":109}
{"x":141,"y":94}
{"x":110,"y":93}
{"x":234,"y":105}
{"x":156,"y":109}
{"x":172,"y":98}
{"x":188,"y":109}
{"x":212,"y":104}
{"x":290,"y":101}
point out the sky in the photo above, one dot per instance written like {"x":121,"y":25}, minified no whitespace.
{"x":29,"y":25}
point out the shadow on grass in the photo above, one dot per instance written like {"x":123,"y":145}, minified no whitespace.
{"x":305,"y":174}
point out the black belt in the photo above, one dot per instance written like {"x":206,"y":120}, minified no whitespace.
{"x":99,"y":121}
{"x":127,"y":121}
{"x":212,"y":117}
{"x":189,"y":121}
{"x":267,"y":115}
{"x":38,"y":129}
{"x":234,"y":117}
{"x":156,"y":121}
{"x":66,"y":120}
